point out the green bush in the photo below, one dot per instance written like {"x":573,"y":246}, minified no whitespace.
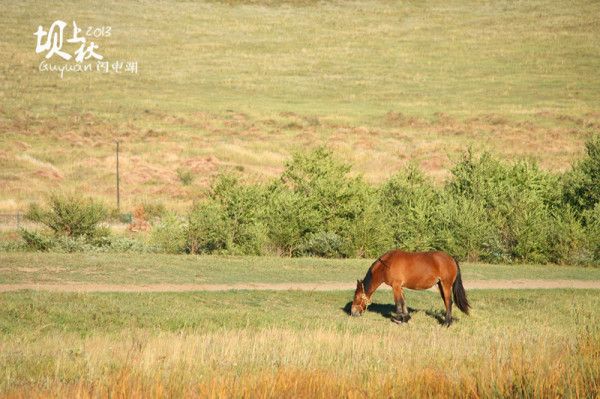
{"x":103,"y":242}
{"x":498,"y":184}
{"x":582,"y":183}
{"x":170,"y":234}
{"x":69,"y":215}
{"x":487,"y":210}
{"x":462,"y":227}
{"x":186,"y":177}
{"x":323,"y":244}
{"x":327,"y":200}
{"x":526,"y":231}
{"x":592,"y":232}
{"x":326,"y":194}
{"x":119,"y":243}
{"x":14,"y":246}
{"x":371,"y":233}
{"x":72,"y":244}
{"x":409,"y":200}
{"x":568,"y":243}
{"x":296,"y":226}
{"x":244,"y":208}
{"x":518,"y":200}
{"x":36,"y":241}
{"x":154,"y":210}
{"x":288,"y":221}
{"x":209,"y":229}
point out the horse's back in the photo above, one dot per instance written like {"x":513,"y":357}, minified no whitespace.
{"x":420,"y":270}
{"x":427,"y":259}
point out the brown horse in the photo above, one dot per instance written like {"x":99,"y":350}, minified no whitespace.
{"x":416,"y":271}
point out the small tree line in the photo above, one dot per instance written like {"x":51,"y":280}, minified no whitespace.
{"x":487,"y":210}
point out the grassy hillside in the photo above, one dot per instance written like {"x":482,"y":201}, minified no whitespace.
{"x":240,"y":85}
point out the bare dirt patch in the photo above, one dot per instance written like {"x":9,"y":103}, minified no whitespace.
{"x":93,"y":287}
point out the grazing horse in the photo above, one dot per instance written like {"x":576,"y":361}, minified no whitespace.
{"x":416,"y":271}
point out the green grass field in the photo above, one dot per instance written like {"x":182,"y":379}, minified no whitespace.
{"x":527,"y":343}
{"x":242,"y":84}
{"x":184,"y":269}
{"x":261,"y":343}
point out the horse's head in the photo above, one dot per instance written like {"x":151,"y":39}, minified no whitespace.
{"x":360,"y":301}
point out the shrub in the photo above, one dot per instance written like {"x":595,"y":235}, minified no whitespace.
{"x":323,"y":244}
{"x":497,"y":184}
{"x":488,"y":210}
{"x":296,"y":226}
{"x":324,"y":185}
{"x":526,"y":228}
{"x":69,"y":215}
{"x":409,"y":201}
{"x":186,"y":177}
{"x":328,"y":200}
{"x":13,"y":246}
{"x":154,"y":210}
{"x":288,"y":220}
{"x":36,"y":241}
{"x":518,"y":200}
{"x":71,"y":244}
{"x":244,"y":208}
{"x":103,"y":242}
{"x":209,"y":229}
{"x":582,"y":183}
{"x":462,"y":228}
{"x":371,"y":233}
{"x":567,"y":237}
{"x":592,"y":232}
{"x":170,"y":234}
{"x":126,"y":217}
{"x":118,"y":243}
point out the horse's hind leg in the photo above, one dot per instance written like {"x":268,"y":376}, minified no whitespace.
{"x":446,"y":291}
{"x":439,"y":284}
{"x":401,"y":309}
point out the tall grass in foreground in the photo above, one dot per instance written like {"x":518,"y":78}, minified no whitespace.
{"x":394,"y":362}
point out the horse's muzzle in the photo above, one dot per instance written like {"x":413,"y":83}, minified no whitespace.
{"x":355,"y":313}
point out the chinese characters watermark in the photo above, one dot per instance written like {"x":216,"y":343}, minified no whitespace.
{"x":86,"y":56}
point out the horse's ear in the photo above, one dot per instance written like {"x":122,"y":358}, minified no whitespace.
{"x":359,"y":285}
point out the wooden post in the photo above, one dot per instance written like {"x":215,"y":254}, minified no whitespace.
{"x":118,"y":188}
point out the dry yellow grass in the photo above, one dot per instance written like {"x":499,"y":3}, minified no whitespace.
{"x":258,"y":148}
{"x":242,"y":83}
{"x":526,"y":343}
{"x":318,"y":363}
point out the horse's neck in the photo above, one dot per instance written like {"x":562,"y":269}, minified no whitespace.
{"x":373,"y":288}
{"x":376,"y":279}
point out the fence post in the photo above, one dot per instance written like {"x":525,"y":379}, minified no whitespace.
{"x":118,"y":189}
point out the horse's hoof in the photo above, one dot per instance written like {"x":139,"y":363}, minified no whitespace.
{"x":400,"y":319}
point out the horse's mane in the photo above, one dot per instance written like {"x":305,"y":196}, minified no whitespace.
{"x":369,"y":277}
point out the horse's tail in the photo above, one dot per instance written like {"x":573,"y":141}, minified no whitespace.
{"x":460,"y":296}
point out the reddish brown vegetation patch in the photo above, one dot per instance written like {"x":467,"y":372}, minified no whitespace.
{"x":155,"y":144}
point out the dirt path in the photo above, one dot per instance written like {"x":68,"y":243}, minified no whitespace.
{"x":94,"y":287}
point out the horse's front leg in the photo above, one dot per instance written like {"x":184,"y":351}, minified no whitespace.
{"x":401,"y":309}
